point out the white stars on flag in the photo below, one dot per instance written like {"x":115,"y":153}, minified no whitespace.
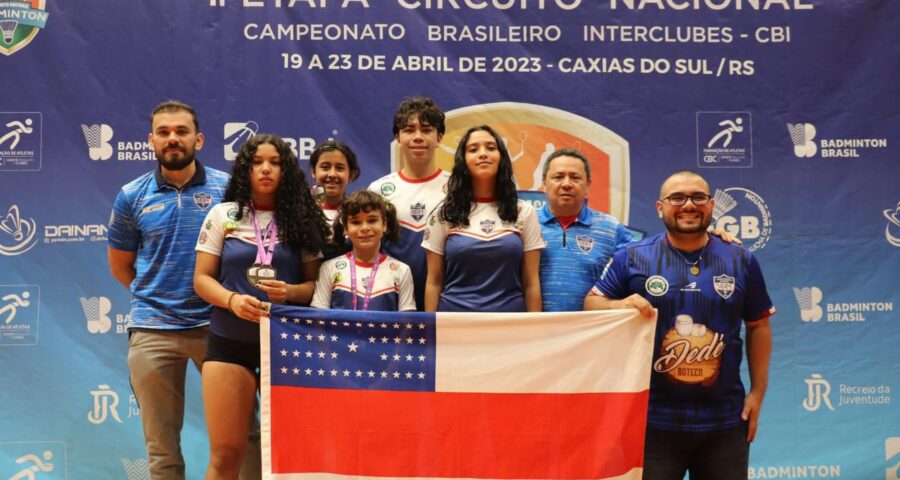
{"x":325,"y":353}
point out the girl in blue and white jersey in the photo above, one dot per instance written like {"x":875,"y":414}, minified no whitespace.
{"x":261,"y":244}
{"x":483,"y":243}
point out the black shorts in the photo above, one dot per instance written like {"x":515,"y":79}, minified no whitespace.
{"x":221,"y":349}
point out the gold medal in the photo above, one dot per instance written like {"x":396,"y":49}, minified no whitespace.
{"x":694,"y":267}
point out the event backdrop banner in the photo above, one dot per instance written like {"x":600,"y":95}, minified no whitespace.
{"x":790,"y":108}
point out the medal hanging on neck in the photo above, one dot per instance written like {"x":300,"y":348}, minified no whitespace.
{"x":368,"y":292}
{"x":262,"y":268}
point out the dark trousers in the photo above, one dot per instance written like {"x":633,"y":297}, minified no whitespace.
{"x":718,"y":455}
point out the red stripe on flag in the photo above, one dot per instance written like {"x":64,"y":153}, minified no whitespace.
{"x":469,"y":435}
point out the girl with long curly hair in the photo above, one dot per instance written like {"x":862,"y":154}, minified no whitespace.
{"x":483,"y":243}
{"x":261,"y":244}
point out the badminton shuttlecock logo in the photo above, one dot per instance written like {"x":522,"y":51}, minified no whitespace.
{"x":892,"y":229}
{"x":20,"y":21}
{"x":802,"y":135}
{"x":235,"y":134}
{"x":18,"y":234}
{"x":96,"y":313}
{"x":724,"y":203}
{"x":98,"y":140}
{"x":8,"y":29}
{"x":808,"y":299}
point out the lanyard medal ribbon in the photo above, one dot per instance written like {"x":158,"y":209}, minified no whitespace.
{"x":262,"y":268}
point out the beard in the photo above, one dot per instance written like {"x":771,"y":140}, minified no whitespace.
{"x":673,"y":226}
{"x":176,"y":162}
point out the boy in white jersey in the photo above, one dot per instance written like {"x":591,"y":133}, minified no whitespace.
{"x":364,"y":278}
{"x":418,"y":186}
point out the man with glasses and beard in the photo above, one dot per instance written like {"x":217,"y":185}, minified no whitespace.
{"x":153,"y":229}
{"x":700,"y":419}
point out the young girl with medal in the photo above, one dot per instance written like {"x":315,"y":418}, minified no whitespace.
{"x":365,"y":278}
{"x":262,"y":244}
{"x":333,"y":165}
{"x":483,"y":243}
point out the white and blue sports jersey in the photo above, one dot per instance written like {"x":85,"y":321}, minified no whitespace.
{"x":391,"y":292}
{"x":160,"y":224}
{"x":695,"y":383}
{"x":575,"y":256}
{"x":414,"y":199}
{"x":234,"y":242}
{"x":483,"y":262}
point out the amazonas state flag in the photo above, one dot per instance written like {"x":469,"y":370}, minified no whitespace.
{"x":458,"y":395}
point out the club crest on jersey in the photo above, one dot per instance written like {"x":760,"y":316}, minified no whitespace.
{"x":656,"y":285}
{"x":203,"y":200}
{"x":585,"y":243}
{"x":417,"y":211}
{"x":487,"y":226}
{"x":724,"y":285}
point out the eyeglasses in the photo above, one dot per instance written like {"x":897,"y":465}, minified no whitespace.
{"x":679,"y":199}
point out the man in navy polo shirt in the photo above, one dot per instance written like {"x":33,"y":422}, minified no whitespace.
{"x":580,"y":240}
{"x":700,"y":419}
{"x":152,"y":233}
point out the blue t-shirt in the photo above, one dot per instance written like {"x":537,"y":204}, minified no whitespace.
{"x":414,"y":199}
{"x":160,"y":223}
{"x":575,"y":256}
{"x":234,"y":242}
{"x":695,"y":383}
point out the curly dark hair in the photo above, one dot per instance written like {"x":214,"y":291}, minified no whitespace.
{"x":301,"y":223}
{"x":458,"y":203}
{"x":424,"y":108}
{"x":366,"y":201}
